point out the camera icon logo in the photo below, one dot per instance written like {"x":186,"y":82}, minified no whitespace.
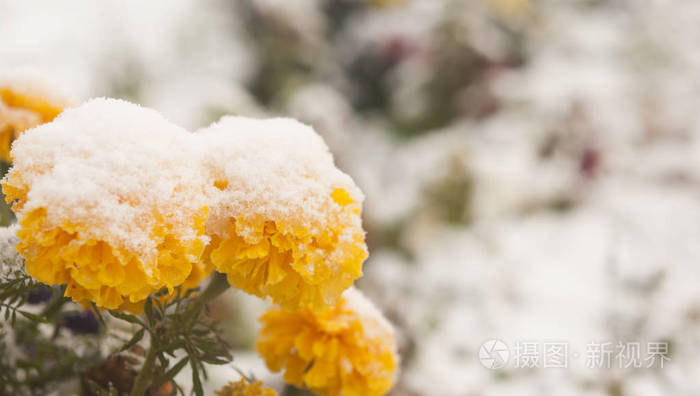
{"x":494,"y":354}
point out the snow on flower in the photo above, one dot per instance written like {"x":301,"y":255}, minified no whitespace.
{"x":108,"y":202}
{"x":117,"y":202}
{"x":285,"y":221}
{"x":345,"y":350}
{"x":245,"y":388}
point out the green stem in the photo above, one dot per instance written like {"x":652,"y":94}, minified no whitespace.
{"x":145,"y":377}
{"x":217,"y":285}
{"x":54,"y":305}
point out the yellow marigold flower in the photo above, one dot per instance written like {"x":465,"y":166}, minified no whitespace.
{"x":243,"y":388}
{"x":346,"y":350}
{"x":25,"y":102}
{"x":285,"y":222}
{"x":105,"y":207}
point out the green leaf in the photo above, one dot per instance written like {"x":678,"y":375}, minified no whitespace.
{"x":161,"y":308}
{"x":97,"y":313}
{"x":170,"y":374}
{"x":33,"y":317}
{"x":127,"y":317}
{"x":136,"y":338}
{"x":215,"y":360}
{"x":196,"y":381}
{"x":148,"y":310}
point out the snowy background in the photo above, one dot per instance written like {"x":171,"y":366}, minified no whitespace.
{"x":532,"y":168}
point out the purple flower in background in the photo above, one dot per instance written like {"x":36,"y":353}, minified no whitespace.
{"x":81,"y":323}
{"x":40,"y":294}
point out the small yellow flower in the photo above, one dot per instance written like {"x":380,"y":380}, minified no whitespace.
{"x":243,"y":388}
{"x":285,"y":221}
{"x":346,"y":350}
{"x":105,"y":208}
{"x":24,"y":105}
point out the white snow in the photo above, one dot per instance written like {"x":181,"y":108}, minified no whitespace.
{"x":377,"y":324}
{"x":620,"y":77}
{"x":10,"y":260}
{"x":109,"y":166}
{"x":277,"y":168}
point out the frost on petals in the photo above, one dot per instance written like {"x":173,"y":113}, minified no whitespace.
{"x":285,"y":221}
{"x":108,"y":202}
{"x":10,"y":261}
{"x":117,"y":202}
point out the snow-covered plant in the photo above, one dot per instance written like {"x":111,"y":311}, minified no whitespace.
{"x":142,"y":224}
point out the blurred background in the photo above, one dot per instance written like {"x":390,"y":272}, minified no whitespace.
{"x":531,"y":167}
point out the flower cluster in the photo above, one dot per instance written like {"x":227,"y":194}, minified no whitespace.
{"x":117,"y":202}
{"x":346,"y":350}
